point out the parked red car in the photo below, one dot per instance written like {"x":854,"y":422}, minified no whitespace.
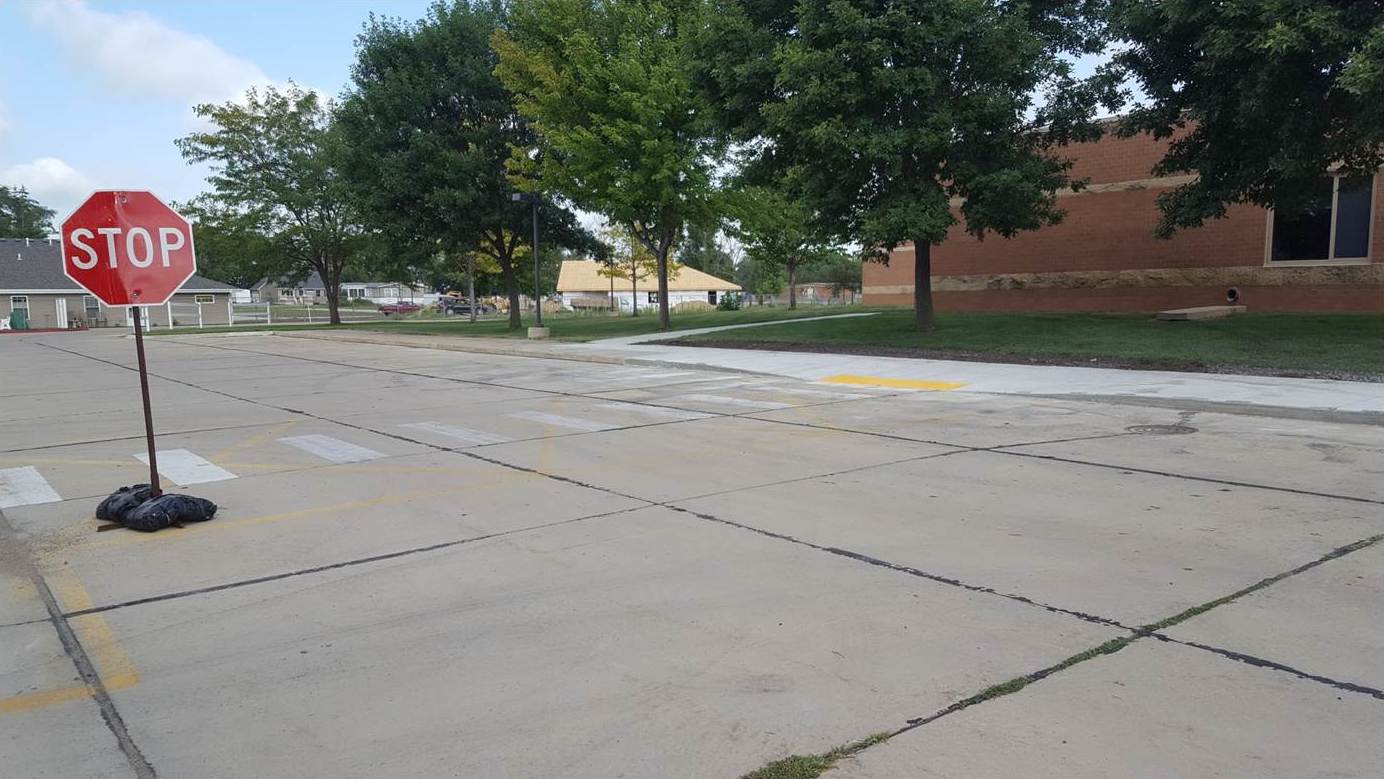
{"x":399,"y":308}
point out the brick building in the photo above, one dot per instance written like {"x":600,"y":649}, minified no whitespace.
{"x":1103,"y":256}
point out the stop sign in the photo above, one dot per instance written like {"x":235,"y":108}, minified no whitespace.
{"x":127,"y":248}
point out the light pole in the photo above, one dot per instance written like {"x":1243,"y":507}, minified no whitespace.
{"x":529,"y":197}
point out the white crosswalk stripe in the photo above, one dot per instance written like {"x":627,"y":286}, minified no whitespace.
{"x":726,"y":400}
{"x":184,"y":467}
{"x":655,"y":411}
{"x":589,"y":425}
{"x":25,"y":487}
{"x":333,"y":449}
{"x":474,"y":437}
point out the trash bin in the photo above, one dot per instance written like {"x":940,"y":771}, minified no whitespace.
{"x":19,"y":320}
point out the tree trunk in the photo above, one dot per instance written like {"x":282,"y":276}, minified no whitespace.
{"x":634,"y":285}
{"x":922,"y":286}
{"x":471,"y":283}
{"x":331,"y":279}
{"x":664,"y":321}
{"x":792,"y":285}
{"x":506,"y":260}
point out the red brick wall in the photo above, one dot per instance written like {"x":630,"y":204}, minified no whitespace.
{"x":1113,"y":231}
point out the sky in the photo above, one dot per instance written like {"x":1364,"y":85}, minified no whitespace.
{"x":93,"y":94}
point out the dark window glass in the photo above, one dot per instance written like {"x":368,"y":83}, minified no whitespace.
{"x":1353,"y":218}
{"x":1304,"y":233}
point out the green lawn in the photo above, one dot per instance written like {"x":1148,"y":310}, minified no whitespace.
{"x":1344,"y":345}
{"x":565,"y":327}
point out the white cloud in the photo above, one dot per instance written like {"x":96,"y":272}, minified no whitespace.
{"x":51,"y":181}
{"x":133,"y":53}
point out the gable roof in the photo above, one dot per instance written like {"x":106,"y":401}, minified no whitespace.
{"x":36,"y":266}
{"x":585,"y":276}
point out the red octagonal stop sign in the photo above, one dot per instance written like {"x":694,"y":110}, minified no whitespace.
{"x":127,"y":248}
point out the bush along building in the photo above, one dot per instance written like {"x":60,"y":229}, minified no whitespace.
{"x":35,"y":294}
{"x":1104,"y":256}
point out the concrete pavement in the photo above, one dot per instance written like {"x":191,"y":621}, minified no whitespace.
{"x":431,"y":562}
{"x":1168,"y":388}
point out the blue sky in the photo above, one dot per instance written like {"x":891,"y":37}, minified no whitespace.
{"x":92,"y":94}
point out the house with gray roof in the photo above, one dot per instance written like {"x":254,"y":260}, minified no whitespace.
{"x":34,"y":294}
{"x":313,"y":291}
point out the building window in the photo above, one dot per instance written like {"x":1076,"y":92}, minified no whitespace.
{"x":19,"y":303}
{"x":355,"y":293}
{"x":206,"y":298}
{"x":653,"y":298}
{"x":1334,"y":224}
{"x":92,"y":306}
{"x":711,"y":297}
{"x":285,"y":293}
{"x":317,"y":293}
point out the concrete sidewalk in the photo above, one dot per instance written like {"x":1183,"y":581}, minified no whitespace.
{"x":1363,"y":400}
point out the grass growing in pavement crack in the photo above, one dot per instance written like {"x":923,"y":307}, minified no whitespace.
{"x":811,"y":766}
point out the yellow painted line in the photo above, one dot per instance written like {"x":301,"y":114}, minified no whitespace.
{"x":277,"y":431}
{"x":50,"y":461}
{"x":129,"y":538}
{"x":107,"y":655}
{"x":885,"y":381}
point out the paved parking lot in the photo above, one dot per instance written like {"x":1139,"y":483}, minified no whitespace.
{"x":435,"y":563}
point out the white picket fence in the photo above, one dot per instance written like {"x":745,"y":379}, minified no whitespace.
{"x":281,"y":314}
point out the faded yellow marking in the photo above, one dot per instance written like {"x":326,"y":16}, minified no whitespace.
{"x":51,"y":461}
{"x":131,"y":538}
{"x":255,"y":440}
{"x":885,"y":381}
{"x":115,"y":668}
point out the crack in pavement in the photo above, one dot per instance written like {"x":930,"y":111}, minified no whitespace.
{"x":1005,"y":688}
{"x":16,"y":550}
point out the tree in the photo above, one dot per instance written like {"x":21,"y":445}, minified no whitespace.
{"x":839,"y":269}
{"x":621,"y":130}
{"x":1260,"y":97}
{"x":21,"y":216}
{"x":778,"y":231}
{"x":631,"y":260}
{"x":887,"y":116}
{"x":274,"y":164}
{"x":230,"y":245}
{"x":428,"y":128}
{"x":758,"y":278}
{"x":700,"y":249}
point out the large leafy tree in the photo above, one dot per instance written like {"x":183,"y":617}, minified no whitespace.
{"x":230,"y":245}
{"x":700,"y":249}
{"x":778,"y":231}
{"x":274,"y":160}
{"x":621,"y":129}
{"x":428,"y":128}
{"x":896,"y":120}
{"x":1260,"y":97}
{"x":21,"y":216}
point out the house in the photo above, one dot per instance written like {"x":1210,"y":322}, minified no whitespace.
{"x":32,"y":283}
{"x":1103,"y":255}
{"x":582,"y":285}
{"x":313,"y":291}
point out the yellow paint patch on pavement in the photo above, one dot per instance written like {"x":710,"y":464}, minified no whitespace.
{"x":885,"y":381}
{"x":107,"y":655}
{"x":129,"y":538}
{"x":263,"y":437}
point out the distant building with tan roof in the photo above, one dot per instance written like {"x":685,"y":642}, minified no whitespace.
{"x":582,"y":285}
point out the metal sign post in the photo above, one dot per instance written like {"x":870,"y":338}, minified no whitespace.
{"x":156,"y":489}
